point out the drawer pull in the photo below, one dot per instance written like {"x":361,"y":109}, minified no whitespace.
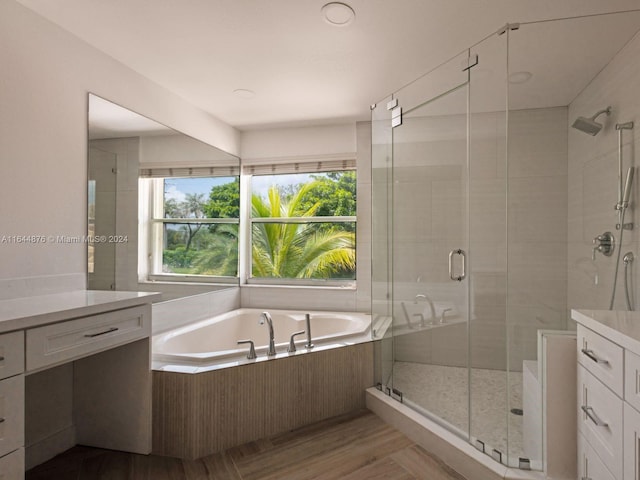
{"x":592,"y":356}
{"x":1,"y":420}
{"x":1,"y":359}
{"x":585,"y":478}
{"x":91,"y":335}
{"x":593,"y":417}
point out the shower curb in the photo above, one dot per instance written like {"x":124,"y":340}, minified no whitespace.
{"x":451,"y":449}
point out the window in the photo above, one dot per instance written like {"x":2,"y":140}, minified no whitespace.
{"x":303,"y":226}
{"x":299,"y":224}
{"x":194,"y":228}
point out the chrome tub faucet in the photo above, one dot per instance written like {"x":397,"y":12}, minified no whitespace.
{"x":271,"y":351}
{"x":431,"y":306}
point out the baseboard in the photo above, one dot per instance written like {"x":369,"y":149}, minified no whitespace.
{"x":49,"y":447}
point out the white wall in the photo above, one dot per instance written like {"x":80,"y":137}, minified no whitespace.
{"x":45,"y":78}
{"x":256,"y":145}
{"x":593,"y":171}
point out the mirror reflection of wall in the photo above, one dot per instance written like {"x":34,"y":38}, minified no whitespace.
{"x":140,"y":176}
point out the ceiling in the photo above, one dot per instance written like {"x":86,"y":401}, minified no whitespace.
{"x":303,"y":70}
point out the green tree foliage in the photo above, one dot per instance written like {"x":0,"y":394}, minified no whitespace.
{"x":191,"y":207}
{"x":191,"y":249}
{"x":298,"y":250}
{"x":335,"y":192}
{"x":224,"y":201}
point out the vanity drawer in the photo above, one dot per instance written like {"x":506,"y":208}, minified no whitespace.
{"x":600,"y":414}
{"x":632,"y":379}
{"x":12,"y":466}
{"x":631,"y":443}
{"x":65,"y":341}
{"x":602,"y":357}
{"x":589,"y":464}
{"x":11,"y":354}
{"x":11,"y":414}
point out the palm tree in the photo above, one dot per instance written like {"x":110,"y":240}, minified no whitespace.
{"x":297,"y":250}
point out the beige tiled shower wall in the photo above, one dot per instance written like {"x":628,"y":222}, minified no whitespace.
{"x":537,"y":228}
{"x":593,"y":174}
{"x":516,"y":288}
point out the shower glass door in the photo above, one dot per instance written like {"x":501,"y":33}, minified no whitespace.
{"x":430,"y":246}
{"x":439,"y":192}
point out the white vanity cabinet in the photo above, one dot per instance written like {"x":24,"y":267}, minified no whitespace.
{"x":106,"y":336}
{"x":11,"y":405}
{"x":608,"y":355}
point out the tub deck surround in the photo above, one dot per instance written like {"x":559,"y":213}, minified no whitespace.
{"x":195,"y":415}
{"x":212,"y":343}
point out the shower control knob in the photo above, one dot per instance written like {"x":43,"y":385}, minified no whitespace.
{"x":604,"y":243}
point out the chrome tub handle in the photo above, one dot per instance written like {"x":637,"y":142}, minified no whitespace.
{"x":292,"y":345}
{"x":252,"y":349}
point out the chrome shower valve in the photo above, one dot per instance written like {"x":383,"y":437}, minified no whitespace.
{"x":605,"y":244}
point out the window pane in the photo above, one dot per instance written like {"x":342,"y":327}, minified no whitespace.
{"x":200,"y":249}
{"x":304,"y":250}
{"x":304,"y":194}
{"x":206,"y":197}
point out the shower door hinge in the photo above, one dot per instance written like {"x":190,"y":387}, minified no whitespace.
{"x":396,"y":117}
{"x":524,"y":463}
{"x":508,"y":26}
{"x":472,"y":61}
{"x":396,"y":394}
{"x":391,"y":104}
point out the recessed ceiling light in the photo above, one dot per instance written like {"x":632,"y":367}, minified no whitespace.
{"x":338,"y":14}
{"x":244,"y":93}
{"x":520,"y":77}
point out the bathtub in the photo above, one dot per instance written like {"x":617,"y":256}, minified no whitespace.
{"x":212,"y":343}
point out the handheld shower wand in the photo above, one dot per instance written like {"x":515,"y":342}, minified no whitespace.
{"x":623,"y":192}
{"x":627,"y":188}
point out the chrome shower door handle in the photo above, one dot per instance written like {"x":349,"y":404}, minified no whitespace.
{"x":463,"y":272}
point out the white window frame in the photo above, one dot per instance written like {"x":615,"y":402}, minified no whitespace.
{"x":284,"y":167}
{"x":154,"y":193}
{"x":151,"y":201}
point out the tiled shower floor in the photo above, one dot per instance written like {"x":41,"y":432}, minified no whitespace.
{"x":443,"y":391}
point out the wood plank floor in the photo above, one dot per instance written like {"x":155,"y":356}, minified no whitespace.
{"x":350,"y":447}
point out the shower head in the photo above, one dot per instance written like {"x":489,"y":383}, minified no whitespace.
{"x":589,"y":125}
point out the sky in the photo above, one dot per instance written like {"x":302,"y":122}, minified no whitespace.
{"x":178,"y":188}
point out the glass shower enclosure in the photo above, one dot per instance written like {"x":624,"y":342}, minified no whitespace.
{"x":469,"y":239}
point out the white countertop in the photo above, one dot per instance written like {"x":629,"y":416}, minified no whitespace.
{"x":619,"y":326}
{"x":28,"y":312}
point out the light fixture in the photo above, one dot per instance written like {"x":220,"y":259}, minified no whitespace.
{"x":338,"y":14}
{"x":520,"y":77}
{"x":244,"y":93}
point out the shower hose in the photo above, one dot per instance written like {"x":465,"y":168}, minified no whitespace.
{"x":627,"y":269}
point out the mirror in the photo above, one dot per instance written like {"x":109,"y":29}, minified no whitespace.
{"x":123,"y":224}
